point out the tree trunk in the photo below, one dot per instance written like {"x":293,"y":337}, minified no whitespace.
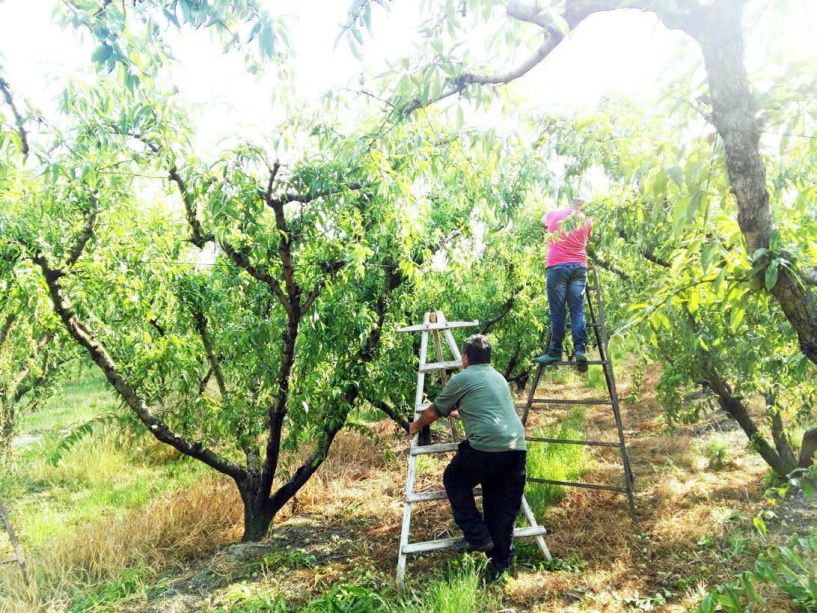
{"x":720,"y":36}
{"x":258,"y":513}
{"x":808,"y":448}
{"x":737,"y":411}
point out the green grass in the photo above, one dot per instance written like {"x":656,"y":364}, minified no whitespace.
{"x":105,"y":473}
{"x":554,"y":461}
{"x":79,"y":401}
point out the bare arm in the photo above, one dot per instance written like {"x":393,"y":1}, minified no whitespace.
{"x":427,"y":417}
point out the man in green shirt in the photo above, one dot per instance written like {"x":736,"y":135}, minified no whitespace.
{"x":492,"y":455}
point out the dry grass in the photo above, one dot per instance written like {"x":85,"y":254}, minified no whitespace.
{"x":167,"y":532}
{"x":693,"y":529}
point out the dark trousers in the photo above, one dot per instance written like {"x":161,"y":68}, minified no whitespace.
{"x":502,"y":476}
{"x":565,"y":287}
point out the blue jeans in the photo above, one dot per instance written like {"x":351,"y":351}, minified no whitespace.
{"x":565,"y":284}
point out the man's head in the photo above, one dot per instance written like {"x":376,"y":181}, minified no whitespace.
{"x":577,"y":204}
{"x":476,"y":350}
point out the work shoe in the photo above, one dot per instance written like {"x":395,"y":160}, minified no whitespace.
{"x":581,"y":361}
{"x":547,"y":359}
{"x":464,"y":545}
{"x":496,"y":574}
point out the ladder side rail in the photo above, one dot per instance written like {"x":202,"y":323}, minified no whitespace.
{"x":609,"y":376}
{"x":412,"y":461}
{"x":532,"y":392}
{"x":449,"y":338}
{"x":438,"y":350}
{"x":540,"y":539}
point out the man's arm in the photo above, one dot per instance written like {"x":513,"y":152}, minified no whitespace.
{"x":441,"y":407}
{"x":427,"y":417}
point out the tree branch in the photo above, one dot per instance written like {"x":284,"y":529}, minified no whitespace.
{"x":459,"y":84}
{"x":5,"y":331}
{"x":778,"y":431}
{"x":600,"y":262}
{"x":19,"y":121}
{"x":85,"y":235}
{"x":99,"y":354}
{"x":215,"y":366}
{"x":393,"y":279}
{"x":331,"y":270}
{"x":390,"y":411}
{"x":506,"y":308}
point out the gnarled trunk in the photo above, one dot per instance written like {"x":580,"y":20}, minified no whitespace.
{"x":719,"y":33}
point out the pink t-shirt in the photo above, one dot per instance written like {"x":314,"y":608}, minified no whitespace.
{"x":568,"y":247}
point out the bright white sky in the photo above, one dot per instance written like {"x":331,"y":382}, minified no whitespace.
{"x":620,"y":54}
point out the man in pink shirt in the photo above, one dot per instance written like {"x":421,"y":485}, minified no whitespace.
{"x":568,"y":232}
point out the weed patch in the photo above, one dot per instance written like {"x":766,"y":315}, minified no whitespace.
{"x":555,"y":461}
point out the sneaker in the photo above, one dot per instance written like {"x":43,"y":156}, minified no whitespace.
{"x":464,"y":545}
{"x":581,"y":361}
{"x":547,"y":359}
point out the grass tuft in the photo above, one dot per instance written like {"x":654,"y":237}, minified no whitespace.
{"x":555,"y":461}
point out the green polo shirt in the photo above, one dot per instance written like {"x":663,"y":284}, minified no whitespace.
{"x":484,"y":401}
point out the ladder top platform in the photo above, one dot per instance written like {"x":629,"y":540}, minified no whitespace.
{"x":442,"y":325}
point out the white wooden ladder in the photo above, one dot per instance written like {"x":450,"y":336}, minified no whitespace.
{"x":436,"y":325}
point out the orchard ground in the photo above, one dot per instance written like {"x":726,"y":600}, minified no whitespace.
{"x":121,"y":523}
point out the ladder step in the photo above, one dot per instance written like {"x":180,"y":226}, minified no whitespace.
{"x":8,"y":559}
{"x":572,"y":363}
{"x":441,"y":366}
{"x":448,"y":325}
{"x":437,"y":448}
{"x":570,"y":401}
{"x":429,"y":496}
{"x":589,"y":486}
{"x":424,"y":546}
{"x":568,"y":441}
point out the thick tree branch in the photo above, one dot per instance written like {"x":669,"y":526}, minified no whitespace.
{"x":393,"y":279}
{"x":781,"y":442}
{"x":99,"y":354}
{"x":19,"y":121}
{"x":808,"y":448}
{"x":602,"y":263}
{"x":506,"y":308}
{"x":293,"y":291}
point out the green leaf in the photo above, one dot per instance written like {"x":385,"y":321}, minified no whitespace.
{"x":102,"y":53}
{"x":771,"y":274}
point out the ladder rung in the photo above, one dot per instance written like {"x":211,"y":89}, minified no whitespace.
{"x":448,"y":325}
{"x":568,"y":441}
{"x":441,"y":366}
{"x":429,"y":496}
{"x":590,"y":486}
{"x":424,"y":546}
{"x":437,"y":448}
{"x":8,"y":559}
{"x":573,"y":363}
{"x":570,"y":401}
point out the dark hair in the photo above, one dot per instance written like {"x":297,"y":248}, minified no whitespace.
{"x":478,"y":349}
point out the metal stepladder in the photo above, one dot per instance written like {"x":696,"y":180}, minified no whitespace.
{"x":436,"y":326}
{"x":596,"y":322}
{"x":17,"y":556}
